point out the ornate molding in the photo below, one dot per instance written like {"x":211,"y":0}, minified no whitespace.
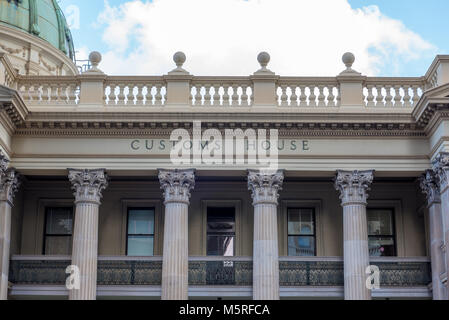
{"x":177,"y":185}
{"x":265,"y":187}
{"x":430,"y":186}
{"x":354,"y":186}
{"x":88,"y":184}
{"x":441,"y":169}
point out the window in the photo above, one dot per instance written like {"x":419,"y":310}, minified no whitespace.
{"x":381,"y":232}
{"x":221,"y":232}
{"x":301,"y":232}
{"x":58,"y":231}
{"x":140,"y":235}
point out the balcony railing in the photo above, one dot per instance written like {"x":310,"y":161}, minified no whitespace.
{"x":213,"y":271}
{"x":295,"y":93}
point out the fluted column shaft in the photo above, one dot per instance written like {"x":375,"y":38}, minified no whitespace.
{"x":430,"y":186}
{"x":175,"y":264}
{"x":5,"y":239}
{"x":88,"y":186}
{"x":441,"y":168}
{"x":353,"y":187}
{"x":265,"y":193}
{"x":9,"y":184}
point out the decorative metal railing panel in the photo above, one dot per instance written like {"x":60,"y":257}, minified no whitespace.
{"x":317,"y":273}
{"x":219,"y":273}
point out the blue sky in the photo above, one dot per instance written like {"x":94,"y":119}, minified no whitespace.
{"x":124,"y":36}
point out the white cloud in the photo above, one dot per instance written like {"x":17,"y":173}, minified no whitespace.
{"x":223,"y":37}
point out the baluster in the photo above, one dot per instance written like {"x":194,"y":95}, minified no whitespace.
{"x":397,"y":96}
{"x":207,"y":95}
{"x":293,"y":97}
{"x":198,"y":96}
{"x":150,"y":96}
{"x":46,"y":92}
{"x":53,"y":93}
{"x":244,"y":95}
{"x":158,"y":97}
{"x":321,"y":96}
{"x":226,"y":96}
{"x":251,"y":96}
{"x":71,"y":93}
{"x":331,"y":97}
{"x":191,"y":96}
{"x":370,"y":96}
{"x":26,"y":94}
{"x":303,"y":97}
{"x":235,"y":95}
{"x":407,"y":97}
{"x":312,"y":97}
{"x":121,"y":93}
{"x":388,"y":96}
{"x":36,"y":93}
{"x":338,"y":98}
{"x":140,"y":97}
{"x":216,"y":97}
{"x":63,"y":93}
{"x":379,"y":97}
{"x":284,"y":96}
{"x":416,"y":96}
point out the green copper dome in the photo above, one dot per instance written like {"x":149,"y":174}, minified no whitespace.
{"x":42,"y":18}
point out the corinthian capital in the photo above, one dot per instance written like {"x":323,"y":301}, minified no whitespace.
{"x":354,"y":186}
{"x":430,"y":186}
{"x":441,"y":169}
{"x":265,"y":187}
{"x":177,"y":184}
{"x":88,"y":184}
{"x":9,"y":184}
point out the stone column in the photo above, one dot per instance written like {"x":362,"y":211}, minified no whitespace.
{"x":88,"y":186}
{"x":265,"y":193}
{"x":9,"y":184}
{"x":354,"y":187}
{"x":177,"y":185}
{"x":430,"y":186}
{"x":441,"y":168}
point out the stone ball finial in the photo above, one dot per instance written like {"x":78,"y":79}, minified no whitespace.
{"x":348,"y":59}
{"x":95,"y":58}
{"x":179,"y":58}
{"x":264,"y":59}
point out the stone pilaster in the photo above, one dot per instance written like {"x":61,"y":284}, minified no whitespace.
{"x":354,"y":187}
{"x":88,"y":186}
{"x":9,"y":184}
{"x":430,"y":186}
{"x":265,"y":194}
{"x":441,"y":168}
{"x":177,"y":185}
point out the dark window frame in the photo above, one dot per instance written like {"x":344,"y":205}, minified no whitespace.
{"x":393,"y":226}
{"x":140,"y":235}
{"x":314,"y":235}
{"x":47,"y":208}
{"x":233,"y":235}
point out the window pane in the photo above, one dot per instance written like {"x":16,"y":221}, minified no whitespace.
{"x":301,"y":246}
{"x":141,"y":221}
{"x":301,"y":222}
{"x":380,"y":222}
{"x":58,"y":245}
{"x":140,"y":246}
{"x":221,"y":220}
{"x":59,"y":221}
{"x":218,"y":245}
{"x":382,"y":247}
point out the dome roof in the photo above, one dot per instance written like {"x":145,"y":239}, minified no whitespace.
{"x":42,"y":18}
